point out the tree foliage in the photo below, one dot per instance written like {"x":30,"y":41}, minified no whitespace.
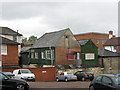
{"x":30,"y":39}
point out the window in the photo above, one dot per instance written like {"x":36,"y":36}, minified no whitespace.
{"x":36,"y":55}
{"x":48,"y":54}
{"x":3,"y":50}
{"x":2,"y":76}
{"x":43,"y":55}
{"x":32,"y":55}
{"x":89,"y":56}
{"x":106,"y":80}
{"x":71,"y":56}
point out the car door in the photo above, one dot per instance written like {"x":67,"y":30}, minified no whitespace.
{"x":107,"y":83}
{"x":61,"y":76}
{"x":79,"y":75}
{"x":18,"y":74}
{"x":7,"y":83}
{"x":97,"y":82}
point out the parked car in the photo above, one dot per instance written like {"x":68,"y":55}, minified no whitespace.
{"x":83,"y":75}
{"x":118,"y":74}
{"x":65,"y":76}
{"x":10,"y":74}
{"x":12,"y":84}
{"x":105,"y":82}
{"x":25,"y":74}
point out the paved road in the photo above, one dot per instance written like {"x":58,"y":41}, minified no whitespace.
{"x":71,"y":84}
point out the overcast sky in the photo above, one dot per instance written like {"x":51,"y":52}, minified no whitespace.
{"x":37,"y":18}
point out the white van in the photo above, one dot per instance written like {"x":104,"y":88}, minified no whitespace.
{"x":25,"y":74}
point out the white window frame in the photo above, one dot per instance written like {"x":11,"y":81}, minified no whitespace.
{"x":89,"y":56}
{"x":43,"y":55}
{"x":48,"y":54}
{"x":36,"y":55}
{"x":32,"y":55}
{"x":3,"y":50}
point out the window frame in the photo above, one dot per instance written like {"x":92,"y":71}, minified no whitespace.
{"x":36,"y":56}
{"x":3,"y":50}
{"x":89,"y":57}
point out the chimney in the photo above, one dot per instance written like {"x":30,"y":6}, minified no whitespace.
{"x":110,"y":34}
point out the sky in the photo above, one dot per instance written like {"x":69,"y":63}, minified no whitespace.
{"x":40,"y":17}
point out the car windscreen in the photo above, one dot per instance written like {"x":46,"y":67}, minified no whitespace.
{"x":7,"y":72}
{"x":25,"y":71}
{"x":69,"y":74}
{"x":89,"y":72}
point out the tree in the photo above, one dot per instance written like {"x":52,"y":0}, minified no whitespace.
{"x":32,"y":38}
{"x":24,"y":40}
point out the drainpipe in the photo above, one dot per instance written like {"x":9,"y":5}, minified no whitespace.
{"x":110,"y":68}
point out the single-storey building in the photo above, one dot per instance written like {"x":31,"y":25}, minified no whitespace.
{"x":55,"y":48}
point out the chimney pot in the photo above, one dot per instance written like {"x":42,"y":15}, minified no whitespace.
{"x":111,"y":32}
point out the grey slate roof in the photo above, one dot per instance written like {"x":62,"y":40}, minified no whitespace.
{"x":83,"y":42}
{"x":7,"y":41}
{"x":25,"y":49}
{"x":49,"y":39}
{"x":115,"y":41}
{"x":107,"y":53}
{"x":8,"y":31}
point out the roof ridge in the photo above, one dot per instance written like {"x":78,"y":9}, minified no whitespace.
{"x":57,"y":31}
{"x":91,"y":33}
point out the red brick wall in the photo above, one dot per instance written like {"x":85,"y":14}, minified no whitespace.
{"x":61,"y":59}
{"x":40,"y":75}
{"x":12,"y":55}
{"x":94,"y":37}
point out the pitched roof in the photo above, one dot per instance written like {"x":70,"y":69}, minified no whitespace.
{"x":7,"y":41}
{"x":92,"y":33}
{"x":107,"y":53}
{"x":49,"y":39}
{"x":115,"y":41}
{"x":25,"y":49}
{"x":8,"y":31}
{"x":83,"y":42}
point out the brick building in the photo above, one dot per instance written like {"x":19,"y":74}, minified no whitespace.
{"x":98,"y":39}
{"x":8,"y":53}
{"x":11,"y":35}
{"x":55,"y":48}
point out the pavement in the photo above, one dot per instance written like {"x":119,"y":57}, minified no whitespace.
{"x":54,"y":84}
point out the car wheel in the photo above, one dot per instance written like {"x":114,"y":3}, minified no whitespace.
{"x":91,"y":88}
{"x":66,"y":80}
{"x":83,"y":79}
{"x":57,"y":79}
{"x":91,"y":79}
{"x":20,"y":87}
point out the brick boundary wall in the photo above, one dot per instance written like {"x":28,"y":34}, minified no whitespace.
{"x":41,"y":74}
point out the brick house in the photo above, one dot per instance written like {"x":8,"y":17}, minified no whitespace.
{"x":8,"y":53}
{"x":113,"y":44}
{"x":98,"y":39}
{"x":55,"y":48}
{"x":11,"y":35}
